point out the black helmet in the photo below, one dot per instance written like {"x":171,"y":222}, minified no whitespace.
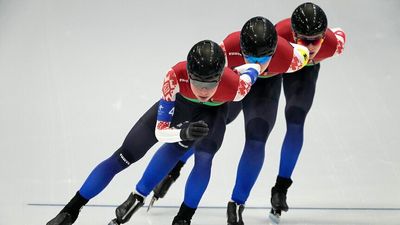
{"x":309,"y":19}
{"x":205,"y":61}
{"x":258,"y":37}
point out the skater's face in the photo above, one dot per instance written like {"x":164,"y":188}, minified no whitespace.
{"x":263,"y":61}
{"x":203,"y":90}
{"x":204,"y":87}
{"x":313,"y":43}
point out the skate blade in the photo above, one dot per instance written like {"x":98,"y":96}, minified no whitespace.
{"x":275,"y":218}
{"x":153,"y":199}
{"x":113,"y":222}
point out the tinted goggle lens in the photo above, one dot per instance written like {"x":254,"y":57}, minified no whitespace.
{"x":260,"y":60}
{"x":203,"y":84}
{"x":301,"y":40}
{"x":308,"y":42}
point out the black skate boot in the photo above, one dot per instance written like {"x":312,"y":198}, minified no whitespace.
{"x":184,"y":216}
{"x":162,"y":188}
{"x":125,"y":211}
{"x":180,"y":221}
{"x":278,"y":198}
{"x":70,"y":212}
{"x":63,"y":218}
{"x":234,"y":213}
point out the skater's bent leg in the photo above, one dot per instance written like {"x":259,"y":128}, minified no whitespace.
{"x":259,"y":109}
{"x":299,"y":93}
{"x":198,"y":178}
{"x":138,"y":141}
{"x":293,"y":141}
{"x":161,"y":189}
{"x":162,"y":162}
{"x":291,"y":149}
{"x":186,"y":156}
{"x":101,"y":176}
{"x":250,"y":165}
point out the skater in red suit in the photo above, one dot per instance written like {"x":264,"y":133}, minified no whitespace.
{"x":308,"y":26}
{"x":192,"y":111}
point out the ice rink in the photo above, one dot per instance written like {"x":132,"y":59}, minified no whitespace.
{"x":75,"y":75}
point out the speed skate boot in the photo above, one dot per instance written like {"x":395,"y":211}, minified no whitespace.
{"x":125,"y":211}
{"x":184,"y":216}
{"x":234,"y":213}
{"x":63,"y":218}
{"x":162,"y":188}
{"x":278,"y":198}
{"x":180,"y":221}
{"x":70,"y":212}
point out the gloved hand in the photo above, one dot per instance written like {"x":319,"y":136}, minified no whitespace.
{"x":194,"y":130}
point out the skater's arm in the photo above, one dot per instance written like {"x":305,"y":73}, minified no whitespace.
{"x":248,"y":75}
{"x":163,"y":132}
{"x":333,"y":44}
{"x":288,"y":58}
{"x":299,"y":59}
{"x":341,"y":40}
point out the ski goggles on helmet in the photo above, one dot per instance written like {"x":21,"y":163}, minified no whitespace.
{"x":204,"y":84}
{"x":260,"y":60}
{"x":208,"y":82}
{"x":307,"y":40}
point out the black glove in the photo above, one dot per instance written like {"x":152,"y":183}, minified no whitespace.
{"x":194,"y":131}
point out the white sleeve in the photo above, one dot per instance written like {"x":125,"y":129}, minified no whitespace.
{"x":168,"y":135}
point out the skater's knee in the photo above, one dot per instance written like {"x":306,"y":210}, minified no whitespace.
{"x":255,"y":145}
{"x":258,"y":129}
{"x":296,"y":115}
{"x":203,"y":159}
{"x":124,"y":157}
{"x":207,"y":145}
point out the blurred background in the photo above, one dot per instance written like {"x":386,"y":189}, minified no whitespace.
{"x":75,"y":75}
